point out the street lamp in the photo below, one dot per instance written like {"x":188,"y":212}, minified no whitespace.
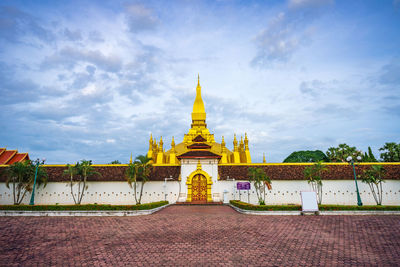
{"x":165,"y":186}
{"x":234,"y":187}
{"x":38,"y":162}
{"x":351,"y":161}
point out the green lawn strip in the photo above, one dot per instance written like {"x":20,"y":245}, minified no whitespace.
{"x":93,"y":207}
{"x":247,"y":206}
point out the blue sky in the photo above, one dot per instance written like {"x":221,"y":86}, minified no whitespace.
{"x":92,"y":79}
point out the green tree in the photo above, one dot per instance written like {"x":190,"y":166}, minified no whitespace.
{"x":137,"y":171}
{"x":314,"y":176}
{"x":340,"y":153}
{"x":369,"y":157}
{"x":391,"y":152}
{"x":306,"y":156}
{"x":81,"y":171}
{"x":374,"y":178}
{"x":71,"y":171}
{"x":260,"y":180}
{"x":22,"y":175}
{"x":115,"y":162}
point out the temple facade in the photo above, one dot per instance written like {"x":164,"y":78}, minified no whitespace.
{"x":199,"y":156}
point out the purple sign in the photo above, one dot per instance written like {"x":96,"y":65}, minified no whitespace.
{"x":243,"y":186}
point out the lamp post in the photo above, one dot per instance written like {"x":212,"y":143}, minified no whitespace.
{"x":351,"y":161}
{"x":32,"y":201}
{"x":234,"y":187}
{"x":165,"y":186}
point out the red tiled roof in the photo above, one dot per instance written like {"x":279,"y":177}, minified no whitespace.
{"x":199,"y":154}
{"x":8,"y":157}
{"x":18,"y":158}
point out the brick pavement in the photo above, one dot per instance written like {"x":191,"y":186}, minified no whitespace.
{"x":200,"y":236}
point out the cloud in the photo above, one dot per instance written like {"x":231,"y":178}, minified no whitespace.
{"x":73,"y":35}
{"x":390,"y":73}
{"x":96,"y":37}
{"x":278,"y":41}
{"x":68,"y":57}
{"x":396,"y":4}
{"x":140,"y":18}
{"x":16,"y":24}
{"x":309,"y":3}
{"x":287,"y":32}
{"x":312,"y":88}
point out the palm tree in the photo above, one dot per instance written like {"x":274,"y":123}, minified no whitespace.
{"x":374,"y":178}
{"x":314,"y":176}
{"x":71,"y":171}
{"x":260,"y":180}
{"x":82,"y":170}
{"x":139,"y":170}
{"x":22,"y":175}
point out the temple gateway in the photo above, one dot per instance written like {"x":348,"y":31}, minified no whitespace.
{"x":199,"y":156}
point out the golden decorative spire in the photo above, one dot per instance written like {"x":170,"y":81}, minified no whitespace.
{"x":199,"y":112}
{"x":198,"y":79}
{"x":264,"y":161}
{"x":173,"y":144}
{"x":160,"y":146}
{"x":235,"y":143}
{"x":223,"y":148}
{"x":151,"y":142}
{"x":130,"y":161}
{"x":246,"y":142}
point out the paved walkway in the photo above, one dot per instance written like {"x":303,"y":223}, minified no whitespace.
{"x":200,"y":236}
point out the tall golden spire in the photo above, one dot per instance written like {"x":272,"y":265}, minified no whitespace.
{"x":199,"y":112}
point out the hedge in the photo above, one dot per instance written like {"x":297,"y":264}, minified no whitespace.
{"x":146,"y":206}
{"x":247,"y":206}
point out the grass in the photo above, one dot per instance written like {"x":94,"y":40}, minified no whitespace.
{"x":92,"y":207}
{"x":247,"y":206}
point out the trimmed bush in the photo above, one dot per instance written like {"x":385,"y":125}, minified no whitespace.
{"x":146,"y":206}
{"x":247,"y":206}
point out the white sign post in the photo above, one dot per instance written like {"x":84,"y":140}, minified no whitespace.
{"x":309,"y":202}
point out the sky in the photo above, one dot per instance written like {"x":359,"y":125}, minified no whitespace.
{"x":92,"y":79}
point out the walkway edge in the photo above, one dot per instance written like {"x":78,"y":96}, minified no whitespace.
{"x":79,"y":213}
{"x":330,"y":212}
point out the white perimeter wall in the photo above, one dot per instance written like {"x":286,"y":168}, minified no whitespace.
{"x":340,"y":192}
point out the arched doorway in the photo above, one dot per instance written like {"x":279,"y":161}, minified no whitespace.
{"x":199,"y":188}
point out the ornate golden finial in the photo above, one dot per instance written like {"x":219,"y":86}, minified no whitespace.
{"x":151,"y":142}
{"x":223,"y":148}
{"x":173,"y":142}
{"x":198,"y":79}
{"x":235,"y":143}
{"x":130,"y":161}
{"x":160,"y":146}
{"x":198,"y":165}
{"x":264,"y":161}
{"x":246,"y":142}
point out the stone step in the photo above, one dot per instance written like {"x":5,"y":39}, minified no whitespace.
{"x":204,"y":203}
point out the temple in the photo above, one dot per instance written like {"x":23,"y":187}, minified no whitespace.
{"x":199,"y":142}
{"x":199,"y":156}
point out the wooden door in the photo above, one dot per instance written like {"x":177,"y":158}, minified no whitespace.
{"x":199,"y":188}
